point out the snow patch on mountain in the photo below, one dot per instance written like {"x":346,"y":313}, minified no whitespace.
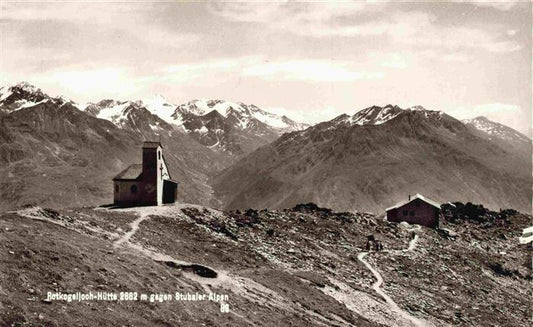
{"x":417,"y":108}
{"x":159,"y":106}
{"x":225,"y":107}
{"x":481,"y":123}
{"x":268,"y":118}
{"x":202,"y":130}
{"x":81,"y":106}
{"x":27,"y":87}
{"x":197,"y":107}
{"x":28,"y":104}
{"x":115,"y":112}
{"x":495,"y":129}
{"x":156,"y":127}
{"x":377,"y":115}
{"x":238,"y":114}
{"x":24,"y":95}
{"x":242,"y":113}
{"x":5,"y":92}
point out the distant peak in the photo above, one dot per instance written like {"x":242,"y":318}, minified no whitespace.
{"x":478,"y":119}
{"x":341,"y":118}
{"x":26,"y":87}
{"x":390,"y":106}
{"x":376,"y":115}
{"x":497,"y":129}
{"x":418,"y":107}
{"x":106,"y":103}
{"x":23,"y":94}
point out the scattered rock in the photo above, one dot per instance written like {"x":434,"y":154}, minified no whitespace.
{"x":447,"y":233}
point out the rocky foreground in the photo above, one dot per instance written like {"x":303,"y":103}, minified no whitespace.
{"x":305,"y":266}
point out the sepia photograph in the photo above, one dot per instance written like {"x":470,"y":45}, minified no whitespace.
{"x":266,"y":163}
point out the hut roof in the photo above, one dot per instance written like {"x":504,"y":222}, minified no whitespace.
{"x":133,"y":172}
{"x":417,"y":196}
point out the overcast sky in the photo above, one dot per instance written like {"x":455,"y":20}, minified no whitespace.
{"x":311,"y":61}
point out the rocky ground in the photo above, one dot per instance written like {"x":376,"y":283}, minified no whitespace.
{"x":294,"y":267}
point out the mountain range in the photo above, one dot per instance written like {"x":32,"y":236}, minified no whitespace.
{"x":54,"y":151}
{"x":233,"y":128}
{"x":378,"y":157}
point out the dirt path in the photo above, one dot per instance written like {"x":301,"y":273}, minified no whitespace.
{"x":379,"y":281}
{"x":241,"y":286}
{"x":144,"y":214}
{"x":134,"y":226}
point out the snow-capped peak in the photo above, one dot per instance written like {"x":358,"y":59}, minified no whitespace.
{"x":200,"y":107}
{"x":495,"y":129}
{"x":21,"y":95}
{"x":19,"y":88}
{"x":226,"y":107}
{"x":113,"y":111}
{"x":375,"y":115}
{"x":159,"y":106}
{"x":238,"y":111}
{"x":26,"y":87}
{"x":268,"y":118}
{"x":417,"y":108}
{"x":196,"y":107}
{"x":480,"y":122}
{"x":243,"y":116}
{"x":25,"y":95}
{"x":64,"y":100}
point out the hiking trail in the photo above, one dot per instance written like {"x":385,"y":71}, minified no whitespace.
{"x":379,"y":281}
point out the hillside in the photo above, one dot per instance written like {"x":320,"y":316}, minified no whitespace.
{"x":53,"y":154}
{"x":305,"y":266}
{"x":377,"y":157}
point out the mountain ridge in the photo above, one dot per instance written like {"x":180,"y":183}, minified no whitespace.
{"x":246,"y":127}
{"x":346,"y":166}
{"x":237,"y":129}
{"x":199,"y":107}
{"x":365,"y":153}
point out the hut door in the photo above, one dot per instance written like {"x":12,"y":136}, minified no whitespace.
{"x":169,"y":192}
